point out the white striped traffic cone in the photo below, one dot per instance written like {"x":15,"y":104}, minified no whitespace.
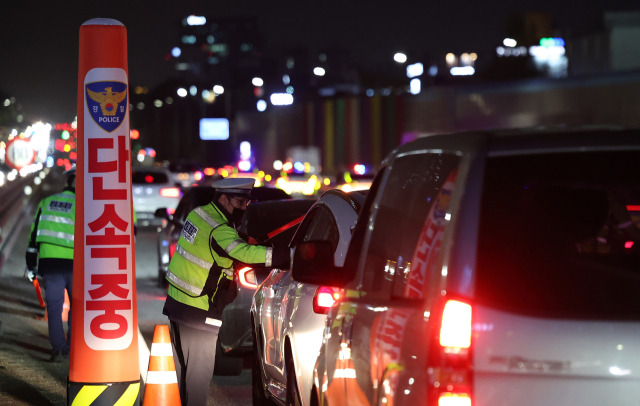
{"x":161,"y":387}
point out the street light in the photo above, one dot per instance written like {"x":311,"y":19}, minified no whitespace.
{"x":400,"y":57}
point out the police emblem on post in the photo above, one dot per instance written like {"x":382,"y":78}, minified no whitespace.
{"x":107,"y":103}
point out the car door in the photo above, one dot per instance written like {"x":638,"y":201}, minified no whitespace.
{"x":318,"y":224}
{"x":372,"y":323}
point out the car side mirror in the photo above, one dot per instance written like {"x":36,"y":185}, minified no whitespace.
{"x":162,"y":213}
{"x":313,"y":263}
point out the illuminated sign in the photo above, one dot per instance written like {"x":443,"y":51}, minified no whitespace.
{"x":212,"y":129}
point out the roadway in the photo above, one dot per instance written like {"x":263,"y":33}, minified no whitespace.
{"x":26,"y":378}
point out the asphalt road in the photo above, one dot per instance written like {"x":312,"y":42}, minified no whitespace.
{"x":26,"y":378}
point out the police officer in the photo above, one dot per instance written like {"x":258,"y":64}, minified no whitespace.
{"x":201,"y":282}
{"x":50,"y":253}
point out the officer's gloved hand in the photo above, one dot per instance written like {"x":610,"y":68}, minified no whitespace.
{"x":31,"y":258}
{"x":30,"y":274}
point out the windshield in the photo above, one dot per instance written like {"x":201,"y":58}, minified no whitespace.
{"x":560,"y":235}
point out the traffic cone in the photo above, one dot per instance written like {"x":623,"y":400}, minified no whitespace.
{"x":162,"y":381}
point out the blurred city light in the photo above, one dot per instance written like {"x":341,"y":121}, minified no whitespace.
{"x":318,"y":71}
{"x":182,"y":92}
{"x":217,"y":89}
{"x":451,"y":59}
{"x":176,"y":52}
{"x":196,"y":20}
{"x":517,"y":51}
{"x":257,"y":81}
{"x":400,"y":57}
{"x":193,"y":90}
{"x":509,"y":42}
{"x":433,"y":70}
{"x":415,"y":69}
{"x":286,"y":79}
{"x":245,"y":150}
{"x":261,"y":105}
{"x":244,"y":166}
{"x":415,"y":86}
{"x":552,"y":42}
{"x":281,"y":99}
{"x":462,"y":71}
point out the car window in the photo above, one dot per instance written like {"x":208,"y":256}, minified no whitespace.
{"x":148,"y":177}
{"x":319,"y":225}
{"x":414,"y":186}
{"x":560,"y":235}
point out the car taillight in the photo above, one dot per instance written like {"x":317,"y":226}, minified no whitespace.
{"x":450,"y":362}
{"x":170,"y":192}
{"x":324,"y":298}
{"x":197,"y":176}
{"x":247,"y":278}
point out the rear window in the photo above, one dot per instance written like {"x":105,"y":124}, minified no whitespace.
{"x":148,"y":177}
{"x":560,"y":235}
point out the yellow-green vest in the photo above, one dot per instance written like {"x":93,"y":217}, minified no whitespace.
{"x":56,"y":222}
{"x":194,"y":257}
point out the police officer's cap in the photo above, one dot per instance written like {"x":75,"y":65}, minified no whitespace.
{"x":234,"y":186}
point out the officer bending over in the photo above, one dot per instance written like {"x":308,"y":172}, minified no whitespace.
{"x":201,"y":282}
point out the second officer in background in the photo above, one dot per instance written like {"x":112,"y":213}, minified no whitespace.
{"x":50,"y":253}
{"x":201,"y":282}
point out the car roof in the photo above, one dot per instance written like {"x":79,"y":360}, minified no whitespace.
{"x":528,"y":140}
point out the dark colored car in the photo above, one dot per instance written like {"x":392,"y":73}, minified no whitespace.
{"x":265,"y":222}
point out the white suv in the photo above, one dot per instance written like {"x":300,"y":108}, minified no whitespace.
{"x":489,"y":268}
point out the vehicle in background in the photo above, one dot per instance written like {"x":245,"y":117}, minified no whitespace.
{"x":152,"y":188}
{"x":287,"y":317}
{"x":488,"y":268}
{"x":299,"y":184}
{"x":358,"y":177}
{"x":235,"y":334}
{"x":186,"y":174}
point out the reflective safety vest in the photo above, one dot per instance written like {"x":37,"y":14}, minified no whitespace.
{"x":207,"y":248}
{"x":55,"y":223}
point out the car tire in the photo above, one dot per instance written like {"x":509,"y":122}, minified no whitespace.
{"x":226,"y":365}
{"x":293,"y":394}
{"x":258,"y":397}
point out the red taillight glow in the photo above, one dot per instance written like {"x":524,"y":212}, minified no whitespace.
{"x":324,"y":298}
{"x":172,"y":248}
{"x":450,"y":361}
{"x":247,"y":278}
{"x":170,"y":192}
{"x":455,"y":332}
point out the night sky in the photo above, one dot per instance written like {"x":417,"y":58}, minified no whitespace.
{"x":39,"y":39}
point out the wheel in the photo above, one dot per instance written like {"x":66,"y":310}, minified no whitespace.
{"x":257,"y":387}
{"x":293,"y":394}
{"x":226,"y":365}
